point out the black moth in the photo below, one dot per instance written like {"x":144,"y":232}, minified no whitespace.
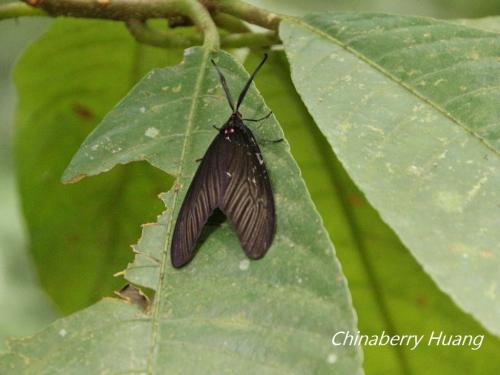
{"x":231,"y":177}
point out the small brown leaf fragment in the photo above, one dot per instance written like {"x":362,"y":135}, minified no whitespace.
{"x":134,"y":295}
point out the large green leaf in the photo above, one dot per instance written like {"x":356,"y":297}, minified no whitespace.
{"x":491,"y":24}
{"x":66,"y":82}
{"x":222,"y":313}
{"x":24,"y":308}
{"x":386,"y":298}
{"x":432,"y":8}
{"x":410,"y":106}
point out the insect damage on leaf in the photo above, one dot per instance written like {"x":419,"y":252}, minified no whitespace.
{"x":134,"y":296}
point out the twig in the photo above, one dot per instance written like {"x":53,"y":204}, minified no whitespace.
{"x":249,"y":13}
{"x":226,"y":13}
{"x":230,"y":23}
{"x":159,"y":38}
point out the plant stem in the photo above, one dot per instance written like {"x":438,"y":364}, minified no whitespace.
{"x":125,"y":10}
{"x":249,"y":39}
{"x":121,"y":10}
{"x":158,"y":38}
{"x":249,"y":13}
{"x":229,"y":23}
{"x":227,"y":13}
{"x":144,"y":34}
{"x":201,"y":18}
{"x":14,"y":10}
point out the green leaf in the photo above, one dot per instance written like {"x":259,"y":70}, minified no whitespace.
{"x":79,"y":235}
{"x":24,"y":308}
{"x":410,"y":106}
{"x":222,"y":313}
{"x":385,"y":296}
{"x":491,"y":24}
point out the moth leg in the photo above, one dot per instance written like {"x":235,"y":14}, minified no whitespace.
{"x":198,"y":160}
{"x":215,"y":127}
{"x":258,"y":119}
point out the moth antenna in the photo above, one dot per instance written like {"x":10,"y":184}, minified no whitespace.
{"x":224,"y":86}
{"x":249,"y":82}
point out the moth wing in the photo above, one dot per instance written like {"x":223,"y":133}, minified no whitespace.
{"x":248,"y":200}
{"x":202,"y":198}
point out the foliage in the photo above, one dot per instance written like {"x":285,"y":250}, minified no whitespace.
{"x":79,"y":249}
{"x":390,"y":290}
{"x":408,"y":105}
{"x":418,"y":135}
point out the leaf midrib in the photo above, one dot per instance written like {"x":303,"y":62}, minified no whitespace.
{"x":155,"y":311}
{"x":393,"y":78}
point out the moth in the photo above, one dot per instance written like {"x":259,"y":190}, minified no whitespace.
{"x":233,"y":178}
